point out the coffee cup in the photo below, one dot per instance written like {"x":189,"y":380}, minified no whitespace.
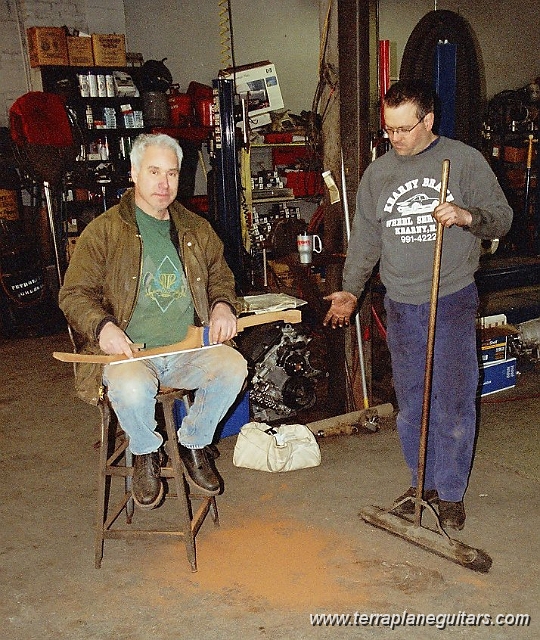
{"x":307,"y":244}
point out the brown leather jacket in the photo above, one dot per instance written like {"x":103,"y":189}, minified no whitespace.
{"x":102,"y":279}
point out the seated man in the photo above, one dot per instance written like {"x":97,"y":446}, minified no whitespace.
{"x":143,"y":272}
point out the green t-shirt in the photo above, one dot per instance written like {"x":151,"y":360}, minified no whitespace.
{"x":164,"y":307}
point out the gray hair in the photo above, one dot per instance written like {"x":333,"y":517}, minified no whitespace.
{"x":145,"y":140}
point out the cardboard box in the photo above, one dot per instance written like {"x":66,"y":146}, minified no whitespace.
{"x":497,"y":376}
{"x":260,"y":83}
{"x":80,"y":52}
{"x":278,"y":137}
{"x":256,"y":122}
{"x":236,"y":417}
{"x":47,"y":46}
{"x":493,"y":337}
{"x":109,"y":49}
{"x":493,"y":349}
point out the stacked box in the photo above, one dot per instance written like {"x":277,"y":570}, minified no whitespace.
{"x":260,"y":83}
{"x":109,"y":49}
{"x":497,"y":371}
{"x":80,"y":51}
{"x":9,"y":205}
{"x":236,"y":417}
{"x":47,"y":46}
{"x":289,"y":156}
{"x":493,"y":349}
{"x":493,"y":337}
{"x":497,"y":376}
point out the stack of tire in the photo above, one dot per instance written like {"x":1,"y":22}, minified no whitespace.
{"x":27,"y":306}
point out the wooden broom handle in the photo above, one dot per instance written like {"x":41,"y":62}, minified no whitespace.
{"x":426,"y":401}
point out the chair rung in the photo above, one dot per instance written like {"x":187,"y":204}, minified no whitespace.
{"x":120,"y":534}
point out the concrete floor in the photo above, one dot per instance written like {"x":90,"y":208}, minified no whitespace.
{"x":289,"y":545}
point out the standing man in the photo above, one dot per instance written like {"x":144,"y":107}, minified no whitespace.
{"x":397,"y":208}
{"x":143,"y":272}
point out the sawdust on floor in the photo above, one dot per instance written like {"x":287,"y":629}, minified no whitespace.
{"x":285,"y":564}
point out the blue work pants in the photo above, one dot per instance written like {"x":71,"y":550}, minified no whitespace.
{"x":452,"y":420}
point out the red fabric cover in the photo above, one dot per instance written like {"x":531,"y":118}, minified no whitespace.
{"x":40,"y":118}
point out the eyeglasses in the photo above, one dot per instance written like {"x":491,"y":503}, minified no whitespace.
{"x":402,"y":130}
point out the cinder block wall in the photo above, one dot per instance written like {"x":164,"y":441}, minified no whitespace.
{"x":16,"y":77}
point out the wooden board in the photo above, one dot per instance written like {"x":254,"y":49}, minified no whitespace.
{"x":193,"y":340}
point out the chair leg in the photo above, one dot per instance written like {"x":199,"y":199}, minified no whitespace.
{"x":214,"y":511}
{"x":130,"y":505}
{"x":101,"y":512}
{"x":179,"y":481}
{"x":103,"y":521}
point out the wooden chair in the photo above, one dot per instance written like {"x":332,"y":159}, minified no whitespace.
{"x":116,"y":461}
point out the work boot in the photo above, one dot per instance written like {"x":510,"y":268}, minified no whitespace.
{"x":147,"y":487}
{"x":200,"y":472}
{"x":452,"y":515}
{"x":212,"y":451}
{"x":407,"y":508}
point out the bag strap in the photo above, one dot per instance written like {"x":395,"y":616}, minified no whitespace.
{"x":272,"y":431}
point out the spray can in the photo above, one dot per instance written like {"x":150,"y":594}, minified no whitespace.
{"x":101,"y":87}
{"x":109,"y":86}
{"x":84,"y":87}
{"x":92,"y":83}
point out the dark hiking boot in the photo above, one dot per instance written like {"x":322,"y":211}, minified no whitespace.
{"x":200,"y":472}
{"x":147,"y":487}
{"x":452,"y":515}
{"x":406,"y":508}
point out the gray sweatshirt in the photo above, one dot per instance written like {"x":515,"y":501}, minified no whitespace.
{"x":393,"y":221}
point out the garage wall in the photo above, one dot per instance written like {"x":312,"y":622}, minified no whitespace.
{"x":188,"y":35}
{"x":508,"y":35}
{"x":287,"y":33}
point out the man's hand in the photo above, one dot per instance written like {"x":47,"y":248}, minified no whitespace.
{"x":449,"y":214}
{"x":113,"y":341}
{"x":222,"y":323}
{"x":342,"y":306}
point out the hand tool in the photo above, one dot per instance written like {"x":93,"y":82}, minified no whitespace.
{"x":438,"y":541}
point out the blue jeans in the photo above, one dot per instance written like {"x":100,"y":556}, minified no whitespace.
{"x":452,"y":423}
{"x":216,"y":374}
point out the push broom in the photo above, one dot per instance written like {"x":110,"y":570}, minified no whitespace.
{"x":436,"y":541}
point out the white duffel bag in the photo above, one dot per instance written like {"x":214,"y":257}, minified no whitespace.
{"x":276,"y":449}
